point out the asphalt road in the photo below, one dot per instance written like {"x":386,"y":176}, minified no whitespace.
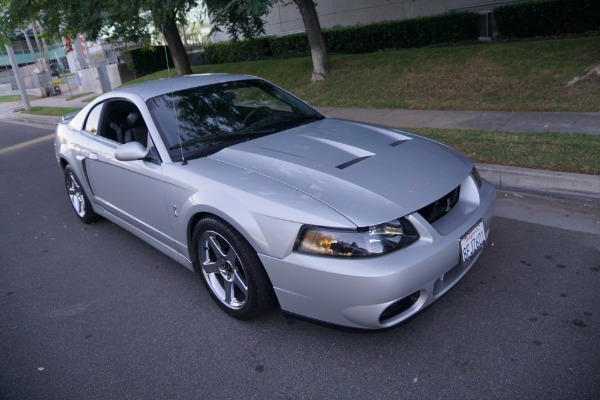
{"x":91,"y":312}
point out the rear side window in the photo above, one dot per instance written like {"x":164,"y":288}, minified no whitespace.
{"x":93,"y":120}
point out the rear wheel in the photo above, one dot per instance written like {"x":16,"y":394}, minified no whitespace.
{"x":79,"y":201}
{"x":231,"y":270}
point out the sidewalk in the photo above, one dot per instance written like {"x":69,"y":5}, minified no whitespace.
{"x":568,"y":122}
{"x":6,"y":109}
{"x":547,"y":183}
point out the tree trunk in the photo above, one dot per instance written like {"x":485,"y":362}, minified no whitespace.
{"x":318,"y":51}
{"x":171,"y":33}
{"x":29,"y":44}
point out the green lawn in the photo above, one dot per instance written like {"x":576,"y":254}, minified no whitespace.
{"x":504,"y":76}
{"x":567,"y":152}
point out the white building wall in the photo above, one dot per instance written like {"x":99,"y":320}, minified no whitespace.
{"x":114,"y":77}
{"x":89,"y":80}
{"x":285,"y":18}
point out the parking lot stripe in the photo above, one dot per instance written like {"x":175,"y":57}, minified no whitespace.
{"x":20,"y":146}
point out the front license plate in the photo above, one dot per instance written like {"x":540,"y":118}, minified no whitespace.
{"x":472,"y":242}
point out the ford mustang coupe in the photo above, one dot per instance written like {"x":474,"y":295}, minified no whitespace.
{"x":271,"y":203}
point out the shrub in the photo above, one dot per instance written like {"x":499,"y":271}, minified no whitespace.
{"x":144,"y":61}
{"x":418,"y":32}
{"x":295,"y":45}
{"x":234,"y":51}
{"x":547,"y":18}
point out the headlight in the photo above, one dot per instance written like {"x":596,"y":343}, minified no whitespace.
{"x":476,"y":176}
{"x":365,"y":242}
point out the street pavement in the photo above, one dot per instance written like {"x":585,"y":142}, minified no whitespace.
{"x":92,"y":312}
{"x":547,"y":183}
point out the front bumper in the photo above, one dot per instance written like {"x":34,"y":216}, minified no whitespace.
{"x":380,"y":292}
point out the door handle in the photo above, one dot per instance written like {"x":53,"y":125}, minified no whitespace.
{"x":93,"y":156}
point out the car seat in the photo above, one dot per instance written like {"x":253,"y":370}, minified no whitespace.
{"x":136,"y":129}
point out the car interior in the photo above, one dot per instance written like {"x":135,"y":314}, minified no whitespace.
{"x":123,"y":123}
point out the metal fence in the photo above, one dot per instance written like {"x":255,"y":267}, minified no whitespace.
{"x":7,"y":77}
{"x":103,"y":58}
{"x":31,"y":77}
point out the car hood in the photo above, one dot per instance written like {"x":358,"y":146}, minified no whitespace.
{"x":367,"y":173}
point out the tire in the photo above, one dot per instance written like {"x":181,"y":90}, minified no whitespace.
{"x":231,"y":270}
{"x":77,"y":197}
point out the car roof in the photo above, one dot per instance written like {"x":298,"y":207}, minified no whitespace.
{"x":149,"y":89}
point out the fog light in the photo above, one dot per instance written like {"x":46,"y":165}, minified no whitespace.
{"x":398,"y":307}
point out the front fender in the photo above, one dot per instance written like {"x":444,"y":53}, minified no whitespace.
{"x":266,"y":212}
{"x":69,"y":150}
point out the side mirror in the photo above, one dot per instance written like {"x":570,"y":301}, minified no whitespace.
{"x":308,"y":103}
{"x":131,"y":151}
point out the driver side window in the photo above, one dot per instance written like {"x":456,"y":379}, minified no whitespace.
{"x":123,"y":123}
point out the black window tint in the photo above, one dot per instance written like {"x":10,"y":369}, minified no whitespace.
{"x":199,"y":121}
{"x":117,"y":123}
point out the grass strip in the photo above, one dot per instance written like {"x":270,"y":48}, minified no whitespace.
{"x":51,"y":111}
{"x":90,"y":98}
{"x":566,"y":152}
{"x":76,"y":96}
{"x":9,"y":98}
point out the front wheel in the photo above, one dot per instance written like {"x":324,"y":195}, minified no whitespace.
{"x":231,"y":270}
{"x":79,"y":201}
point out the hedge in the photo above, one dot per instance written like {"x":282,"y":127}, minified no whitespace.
{"x":295,"y":45}
{"x":418,"y":32}
{"x":547,"y":18}
{"x":143,"y":61}
{"x":234,"y":51}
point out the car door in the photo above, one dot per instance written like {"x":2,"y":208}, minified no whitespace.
{"x":131,"y":191}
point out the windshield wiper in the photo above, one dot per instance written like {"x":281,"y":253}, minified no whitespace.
{"x":222,"y":136}
{"x":310,"y":117}
{"x":278,"y":119}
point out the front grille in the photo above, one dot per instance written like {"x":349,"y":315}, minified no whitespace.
{"x":440,"y":207}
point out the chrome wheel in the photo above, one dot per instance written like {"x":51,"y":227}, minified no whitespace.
{"x":75,"y":195}
{"x":231,"y":270}
{"x":223,"y":270}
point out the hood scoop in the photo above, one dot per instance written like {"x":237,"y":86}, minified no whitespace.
{"x":351,"y":162}
{"x":397,"y":142}
{"x":356,"y":153}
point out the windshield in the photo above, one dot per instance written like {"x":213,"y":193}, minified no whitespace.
{"x":200,"y":121}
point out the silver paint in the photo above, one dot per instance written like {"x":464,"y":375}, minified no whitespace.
{"x":330,"y":173}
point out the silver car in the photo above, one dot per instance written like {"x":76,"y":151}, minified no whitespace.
{"x":272,"y":203}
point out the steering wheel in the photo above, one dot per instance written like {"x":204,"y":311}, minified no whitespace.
{"x":263,"y":109}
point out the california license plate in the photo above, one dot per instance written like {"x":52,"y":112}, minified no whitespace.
{"x":472,"y":242}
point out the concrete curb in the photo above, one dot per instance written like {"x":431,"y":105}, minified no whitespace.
{"x":37,"y":119}
{"x":534,"y":181}
{"x":546,"y":183}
